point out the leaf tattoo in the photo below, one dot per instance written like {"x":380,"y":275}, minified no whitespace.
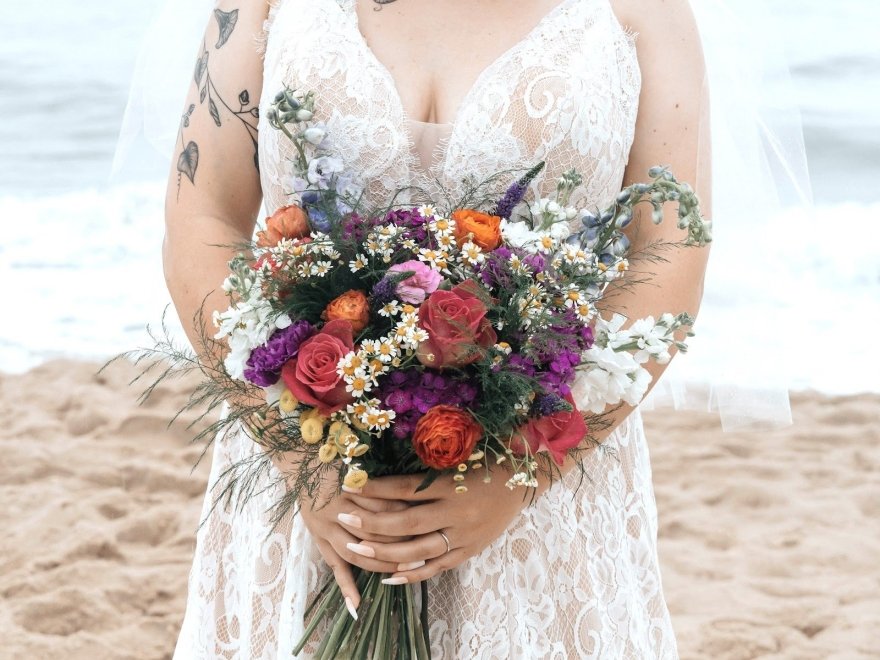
{"x":215,"y":114}
{"x":226,"y":20}
{"x":247,"y":115}
{"x":201,"y":67}
{"x":188,"y":162}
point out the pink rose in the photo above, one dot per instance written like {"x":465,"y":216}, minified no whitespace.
{"x":457,"y":327}
{"x":422,"y":282}
{"x":556,"y":433}
{"x":311,"y":376}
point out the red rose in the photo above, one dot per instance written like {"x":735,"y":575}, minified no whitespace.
{"x":556,"y":433}
{"x":311,"y":376}
{"x":457,"y":326}
{"x":446,"y":436}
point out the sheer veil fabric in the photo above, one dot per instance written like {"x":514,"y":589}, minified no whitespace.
{"x":577,"y":574}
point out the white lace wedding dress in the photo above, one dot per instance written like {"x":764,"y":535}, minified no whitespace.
{"x":576,"y":575}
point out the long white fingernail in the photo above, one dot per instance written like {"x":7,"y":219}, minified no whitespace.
{"x":349,"y":604}
{"x":411,"y":566}
{"x":353,"y":491}
{"x":362,"y":550}
{"x":350,"y":520}
{"x":394,"y":581}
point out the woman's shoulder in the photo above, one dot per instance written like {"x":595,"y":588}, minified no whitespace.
{"x":657,"y":20}
{"x":668,"y":38}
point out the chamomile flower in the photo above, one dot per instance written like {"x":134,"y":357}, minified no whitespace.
{"x":472,"y":254}
{"x":573,"y":297}
{"x":427,"y":211}
{"x":320,"y":268}
{"x":358,"y":263}
{"x":388,"y":350}
{"x":390,"y":309}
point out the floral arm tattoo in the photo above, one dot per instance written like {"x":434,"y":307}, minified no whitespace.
{"x":219,"y":108}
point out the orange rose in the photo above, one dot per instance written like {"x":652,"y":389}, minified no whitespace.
{"x":486,"y":229}
{"x":351,"y":306}
{"x":446,"y":436}
{"x":286,"y":222}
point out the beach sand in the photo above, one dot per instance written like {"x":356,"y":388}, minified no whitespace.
{"x":770,"y":543}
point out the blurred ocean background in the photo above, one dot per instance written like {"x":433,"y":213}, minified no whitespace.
{"x":80,"y":255}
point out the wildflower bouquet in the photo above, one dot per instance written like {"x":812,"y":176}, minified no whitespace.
{"x":421,"y":339}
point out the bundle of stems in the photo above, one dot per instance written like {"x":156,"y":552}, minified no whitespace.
{"x":392,"y":624}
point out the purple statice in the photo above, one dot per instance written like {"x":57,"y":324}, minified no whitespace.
{"x":264,"y":365}
{"x":383,"y":292}
{"x":412,"y":393}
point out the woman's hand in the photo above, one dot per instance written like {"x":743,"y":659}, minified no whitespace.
{"x":334,"y":542}
{"x":470,"y":521}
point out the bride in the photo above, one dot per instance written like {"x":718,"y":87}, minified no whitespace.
{"x":422,"y":92}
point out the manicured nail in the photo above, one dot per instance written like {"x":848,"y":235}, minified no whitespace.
{"x":351,"y":610}
{"x":350,"y":520}
{"x":362,"y":550}
{"x":394,"y":581}
{"x":410,"y":566}
{"x":353,"y":491}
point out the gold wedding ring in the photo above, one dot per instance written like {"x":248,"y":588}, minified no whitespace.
{"x":445,"y":538}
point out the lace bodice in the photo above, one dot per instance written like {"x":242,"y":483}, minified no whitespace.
{"x":566,"y":93}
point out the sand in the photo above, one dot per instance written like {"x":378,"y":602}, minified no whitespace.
{"x":770,"y":543}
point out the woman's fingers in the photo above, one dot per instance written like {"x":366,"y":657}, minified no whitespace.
{"x":375,"y":505}
{"x":431,"y":568}
{"x":346,"y":546}
{"x":405,"y":555}
{"x":412,"y":521}
{"x":341,"y":573}
{"x":398,"y":488}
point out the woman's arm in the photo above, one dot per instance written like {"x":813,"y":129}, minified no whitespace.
{"x":213,"y":191}
{"x":213,"y":198}
{"x":671,"y":110}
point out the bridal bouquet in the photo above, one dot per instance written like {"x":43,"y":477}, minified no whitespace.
{"x":462,"y":342}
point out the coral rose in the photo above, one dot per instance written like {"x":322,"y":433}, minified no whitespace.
{"x":555,"y":433}
{"x":457,"y":327}
{"x":286,"y":222}
{"x":485,"y":228}
{"x":351,"y":306}
{"x":446,"y":436}
{"x":311,"y":375}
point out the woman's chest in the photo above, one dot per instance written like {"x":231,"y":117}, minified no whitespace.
{"x":566,"y":92}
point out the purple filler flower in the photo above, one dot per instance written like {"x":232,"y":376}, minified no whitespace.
{"x":410,"y":394}
{"x":264,"y":365}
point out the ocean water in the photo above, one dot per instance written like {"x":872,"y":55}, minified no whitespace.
{"x":80,"y":255}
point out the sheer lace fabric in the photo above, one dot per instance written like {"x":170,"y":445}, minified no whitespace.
{"x":576,"y":575}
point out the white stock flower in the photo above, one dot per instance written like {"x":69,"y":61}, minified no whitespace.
{"x":247,"y":324}
{"x":609,"y":378}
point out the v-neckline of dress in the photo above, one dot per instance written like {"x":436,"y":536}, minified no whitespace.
{"x":350,"y":7}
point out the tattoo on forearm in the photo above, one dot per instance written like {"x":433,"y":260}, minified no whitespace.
{"x":220,"y":110}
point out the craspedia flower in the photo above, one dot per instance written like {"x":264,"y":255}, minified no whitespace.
{"x":356,"y":479}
